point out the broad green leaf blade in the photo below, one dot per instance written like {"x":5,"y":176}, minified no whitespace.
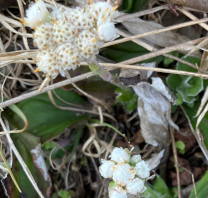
{"x":201,"y":188}
{"x":128,"y":50}
{"x":45,"y":120}
{"x":131,"y":6}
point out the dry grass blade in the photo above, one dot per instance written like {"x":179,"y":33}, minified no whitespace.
{"x":125,"y":17}
{"x":15,"y":109}
{"x":8,"y":168}
{"x":21,"y":161}
{"x":140,"y":67}
{"x":203,"y":102}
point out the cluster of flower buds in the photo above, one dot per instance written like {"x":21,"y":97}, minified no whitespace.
{"x":128,"y":173}
{"x":65,"y":37}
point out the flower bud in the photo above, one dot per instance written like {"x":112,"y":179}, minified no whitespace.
{"x":142,"y":169}
{"x":123,"y":173}
{"x":120,"y":155}
{"x":135,"y":186}
{"x":117,"y":192}
{"x":135,"y":159}
{"x":37,"y":14}
{"x":106,"y":169}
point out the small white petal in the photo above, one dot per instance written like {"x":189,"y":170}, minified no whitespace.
{"x":117,"y":192}
{"x":107,"y":32}
{"x":106,"y":168}
{"x":135,"y":186}
{"x":120,"y":155}
{"x":135,"y":159}
{"x":36,"y":14}
{"x":142,"y":169}
{"x":123,"y":173}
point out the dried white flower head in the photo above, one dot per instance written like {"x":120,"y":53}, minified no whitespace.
{"x":74,"y":35}
{"x":135,"y":159}
{"x":128,"y":174}
{"x":117,"y":192}
{"x":123,"y":173}
{"x":36,"y":14}
{"x":135,"y":186}
{"x":120,"y":155}
{"x":106,"y":169}
{"x":142,"y":169}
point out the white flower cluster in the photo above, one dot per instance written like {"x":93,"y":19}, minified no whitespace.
{"x":66,"y":36}
{"x":128,"y":173}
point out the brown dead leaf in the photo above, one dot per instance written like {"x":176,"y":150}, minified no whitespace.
{"x":198,"y":172}
{"x":5,"y":4}
{"x":187,"y":137}
{"x":185,"y":177}
{"x":138,"y":138}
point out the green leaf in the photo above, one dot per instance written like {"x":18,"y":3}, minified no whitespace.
{"x":65,"y":194}
{"x":131,"y":6}
{"x":181,"y":146}
{"x":188,"y":86}
{"x":203,"y":126}
{"x":150,"y":193}
{"x":179,"y":99}
{"x":45,"y":120}
{"x":128,"y":98}
{"x":124,"y":95}
{"x":174,"y":81}
{"x":196,"y":86}
{"x":128,"y":50}
{"x":201,"y":187}
{"x":167,"y":61}
{"x":75,"y":143}
{"x":161,"y":187}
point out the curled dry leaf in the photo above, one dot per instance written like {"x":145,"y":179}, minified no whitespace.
{"x":133,"y":77}
{"x":154,"y":110}
{"x":39,"y":161}
{"x":166,"y":39}
{"x":154,"y":161}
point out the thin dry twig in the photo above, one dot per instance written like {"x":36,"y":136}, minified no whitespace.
{"x":192,"y":178}
{"x":156,"y":32}
{"x":176,"y":161}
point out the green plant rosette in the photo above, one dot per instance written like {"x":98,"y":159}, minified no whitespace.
{"x":186,"y":87}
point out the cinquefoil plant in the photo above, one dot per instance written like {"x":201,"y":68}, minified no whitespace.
{"x":186,"y":88}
